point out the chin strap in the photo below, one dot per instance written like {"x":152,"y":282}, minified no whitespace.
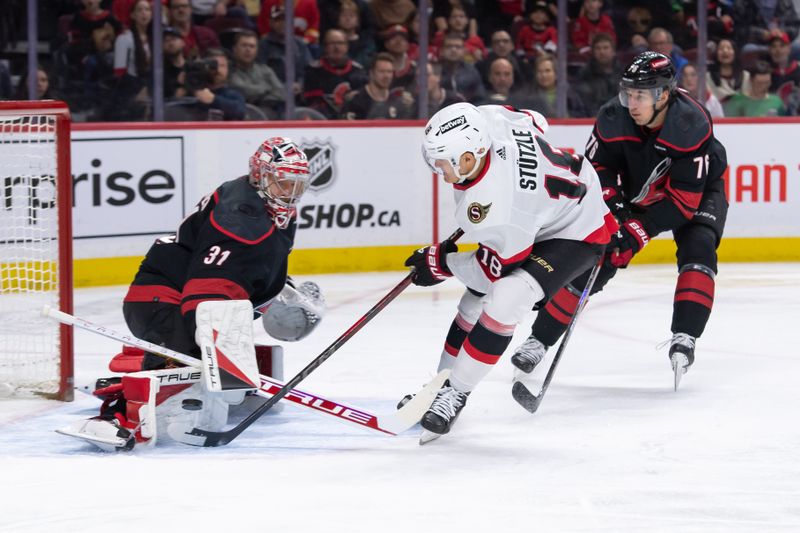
{"x":657,"y":111}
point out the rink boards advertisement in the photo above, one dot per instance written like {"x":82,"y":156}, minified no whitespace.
{"x":372,"y":198}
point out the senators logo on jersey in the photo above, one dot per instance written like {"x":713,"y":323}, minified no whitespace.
{"x":477,"y":212}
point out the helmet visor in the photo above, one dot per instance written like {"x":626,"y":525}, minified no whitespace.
{"x":629,"y":96}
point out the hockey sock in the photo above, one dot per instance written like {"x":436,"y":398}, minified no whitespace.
{"x":694,"y":297}
{"x":552,"y":321}
{"x":459,"y":330}
{"x":481,"y":350}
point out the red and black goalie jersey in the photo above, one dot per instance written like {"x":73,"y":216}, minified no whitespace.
{"x":660,"y":173}
{"x":229,"y":249}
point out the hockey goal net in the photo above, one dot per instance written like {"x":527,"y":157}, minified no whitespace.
{"x":35,"y":249}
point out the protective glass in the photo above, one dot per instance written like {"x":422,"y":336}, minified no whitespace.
{"x":627,"y":96}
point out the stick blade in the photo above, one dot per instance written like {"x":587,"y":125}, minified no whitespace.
{"x":192,"y":436}
{"x":411,"y":413}
{"x":525,"y":397}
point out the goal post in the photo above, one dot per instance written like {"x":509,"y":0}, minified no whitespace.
{"x":36,"y":353}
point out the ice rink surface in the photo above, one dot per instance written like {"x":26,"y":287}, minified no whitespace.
{"x":612,"y":447}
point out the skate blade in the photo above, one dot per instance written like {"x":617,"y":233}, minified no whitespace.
{"x":107,"y":445}
{"x":679,"y":363}
{"x":428,"y":436}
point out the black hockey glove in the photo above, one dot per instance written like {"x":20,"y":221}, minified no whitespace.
{"x":429,"y":263}
{"x":618,"y":206}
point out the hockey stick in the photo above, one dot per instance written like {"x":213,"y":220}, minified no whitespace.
{"x":392,"y":423}
{"x":221,"y":438}
{"x":519,"y":391}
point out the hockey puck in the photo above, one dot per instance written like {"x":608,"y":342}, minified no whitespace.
{"x":192,"y":404}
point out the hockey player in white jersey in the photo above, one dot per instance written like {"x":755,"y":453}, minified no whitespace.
{"x":538,"y":216}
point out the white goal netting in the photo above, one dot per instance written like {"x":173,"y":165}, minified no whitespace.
{"x":30,"y":344}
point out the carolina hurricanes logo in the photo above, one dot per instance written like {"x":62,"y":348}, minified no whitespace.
{"x":477,"y":212}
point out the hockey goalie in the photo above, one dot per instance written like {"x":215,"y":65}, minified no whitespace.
{"x":198,"y":292}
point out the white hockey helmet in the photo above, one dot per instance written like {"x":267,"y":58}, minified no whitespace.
{"x":452,"y":131}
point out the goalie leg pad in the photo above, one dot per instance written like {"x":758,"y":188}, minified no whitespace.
{"x":225,"y":336}
{"x":295,"y":312}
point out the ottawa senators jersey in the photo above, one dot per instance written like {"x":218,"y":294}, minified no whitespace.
{"x":663,"y":172}
{"x":527,"y":192}
{"x":228,"y":249}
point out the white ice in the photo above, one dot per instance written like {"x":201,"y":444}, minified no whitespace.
{"x":612,"y":447}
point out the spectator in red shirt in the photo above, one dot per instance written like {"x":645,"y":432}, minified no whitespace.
{"x":306,"y":19}
{"x":539,"y":35}
{"x":458,"y":23}
{"x":591,"y":22}
{"x":84,"y":25}
{"x":197,"y":39}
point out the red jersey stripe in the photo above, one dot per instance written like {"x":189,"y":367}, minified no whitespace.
{"x":483,"y":357}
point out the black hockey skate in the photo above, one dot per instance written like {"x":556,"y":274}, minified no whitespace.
{"x":528,"y":354}
{"x":681,"y":355}
{"x":444,"y":410}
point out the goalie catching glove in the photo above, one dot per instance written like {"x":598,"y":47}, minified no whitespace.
{"x":295,"y":312}
{"x":430,"y":263}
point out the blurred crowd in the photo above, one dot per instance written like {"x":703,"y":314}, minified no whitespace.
{"x":357,"y":59}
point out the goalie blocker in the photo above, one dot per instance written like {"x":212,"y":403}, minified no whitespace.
{"x":140,"y":407}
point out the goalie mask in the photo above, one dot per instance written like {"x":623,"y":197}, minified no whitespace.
{"x":279,"y":171}
{"x":451,"y":132}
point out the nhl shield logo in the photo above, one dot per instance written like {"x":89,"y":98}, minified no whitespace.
{"x":477,"y":212}
{"x":321,"y":165}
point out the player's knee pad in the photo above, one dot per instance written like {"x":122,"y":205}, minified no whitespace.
{"x":513,"y":296}
{"x":295,"y":312}
{"x":469,"y":307}
{"x":698,"y":246}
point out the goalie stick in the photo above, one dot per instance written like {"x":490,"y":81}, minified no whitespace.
{"x":220,"y":438}
{"x":391,"y":423}
{"x":519,"y":391}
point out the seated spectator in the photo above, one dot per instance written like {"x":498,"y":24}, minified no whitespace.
{"x":306,"y":20}
{"x":83,"y":26}
{"x":43,"y":90}
{"x":329,"y":17}
{"x":132,"y":52}
{"x":760,"y":102}
{"x":360,"y":48}
{"x":633,"y":36}
{"x":272,"y":50}
{"x":174,"y":64}
{"x":591,"y":22}
{"x":458,"y":23}
{"x":390,"y":12}
{"x":395,"y":41}
{"x":332,"y":77}
{"x":257,"y":82}
{"x":720,"y":20}
{"x":197,"y":39}
{"x":503,"y":46}
{"x":207,"y":81}
{"x":725,"y":76}
{"x":785,"y":71}
{"x":758,"y":18}
{"x":539,"y":36}
{"x":441,"y":14}
{"x":598,"y":81}
{"x":457,"y":75}
{"x":98,"y":75}
{"x":496,"y":15}
{"x":544,"y":91}
{"x":5,"y":82}
{"x":376,"y":100}
{"x":501,"y":83}
{"x":660,"y":40}
{"x":438,"y":96}
{"x":690,"y":83}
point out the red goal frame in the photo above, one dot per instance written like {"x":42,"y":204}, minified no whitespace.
{"x":64,"y":191}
